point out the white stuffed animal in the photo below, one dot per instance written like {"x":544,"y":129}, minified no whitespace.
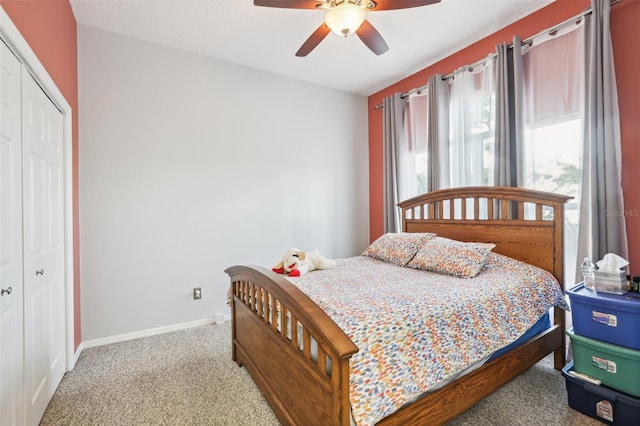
{"x":296,"y":262}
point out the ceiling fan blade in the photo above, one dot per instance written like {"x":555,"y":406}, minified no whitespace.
{"x":289,"y":4}
{"x":313,"y":40}
{"x":400,"y":4}
{"x":372,"y":38}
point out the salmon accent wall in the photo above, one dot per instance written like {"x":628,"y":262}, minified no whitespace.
{"x":625,"y":17}
{"x":51,"y":31}
{"x":624,"y":21}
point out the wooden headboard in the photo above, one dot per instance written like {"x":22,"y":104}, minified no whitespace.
{"x":524,"y":224}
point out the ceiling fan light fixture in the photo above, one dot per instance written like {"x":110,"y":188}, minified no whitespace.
{"x":345,"y":19}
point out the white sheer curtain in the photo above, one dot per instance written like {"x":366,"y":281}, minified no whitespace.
{"x":553,"y":79}
{"x":472,"y":128}
{"x":416,"y":158}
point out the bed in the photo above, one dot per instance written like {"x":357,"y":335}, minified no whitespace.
{"x":305,"y":375}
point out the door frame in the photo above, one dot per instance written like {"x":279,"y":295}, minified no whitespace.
{"x":16,"y":42}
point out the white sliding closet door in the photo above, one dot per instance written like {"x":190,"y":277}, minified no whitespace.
{"x":11,"y":313}
{"x":43,"y":240}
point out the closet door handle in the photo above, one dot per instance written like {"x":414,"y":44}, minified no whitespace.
{"x":40,"y":272}
{"x":8,"y":291}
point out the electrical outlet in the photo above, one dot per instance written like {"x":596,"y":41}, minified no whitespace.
{"x":197,"y":293}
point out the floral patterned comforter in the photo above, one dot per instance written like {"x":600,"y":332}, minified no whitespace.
{"x":416,"y":330}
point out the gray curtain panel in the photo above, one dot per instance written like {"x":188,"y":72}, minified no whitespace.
{"x":438,"y":134}
{"x":509,"y":132}
{"x":602,"y":218}
{"x":393,"y":132}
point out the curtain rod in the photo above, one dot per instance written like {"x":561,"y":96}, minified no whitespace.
{"x":551,"y":31}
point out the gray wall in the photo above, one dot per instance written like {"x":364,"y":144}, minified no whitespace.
{"x":189,"y":165}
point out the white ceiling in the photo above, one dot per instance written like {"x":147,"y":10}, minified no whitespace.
{"x":267,"y":38}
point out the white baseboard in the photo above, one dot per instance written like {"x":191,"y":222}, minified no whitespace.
{"x":218,"y":319}
{"x":76,"y":355}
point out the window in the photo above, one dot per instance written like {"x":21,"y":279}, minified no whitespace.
{"x":553,"y":102}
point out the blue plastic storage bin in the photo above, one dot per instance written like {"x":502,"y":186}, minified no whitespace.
{"x":611,"y":318}
{"x":600,"y":402}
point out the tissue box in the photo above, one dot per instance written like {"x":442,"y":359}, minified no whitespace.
{"x":611,"y":282}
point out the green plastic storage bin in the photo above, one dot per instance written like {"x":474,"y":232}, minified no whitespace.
{"x":617,"y":367}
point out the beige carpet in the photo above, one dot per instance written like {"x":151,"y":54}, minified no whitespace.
{"x":188,"y":378}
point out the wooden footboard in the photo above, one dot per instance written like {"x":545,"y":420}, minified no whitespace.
{"x":297,"y":356}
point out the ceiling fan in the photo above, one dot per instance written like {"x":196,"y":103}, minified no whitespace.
{"x":344,"y":17}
